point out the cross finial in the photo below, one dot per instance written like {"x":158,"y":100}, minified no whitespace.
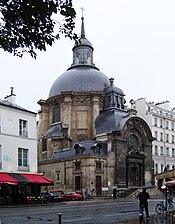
{"x":82,"y":11}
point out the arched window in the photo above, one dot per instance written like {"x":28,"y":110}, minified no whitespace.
{"x":98,"y":149}
{"x":78,"y":150}
{"x":56,"y":113}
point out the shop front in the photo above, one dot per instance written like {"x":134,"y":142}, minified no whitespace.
{"x":18,"y":188}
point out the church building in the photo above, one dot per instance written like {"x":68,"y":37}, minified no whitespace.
{"x":87,"y":138}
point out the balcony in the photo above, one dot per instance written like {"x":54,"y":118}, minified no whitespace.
{"x":24,"y":168}
{"x":23,"y":133}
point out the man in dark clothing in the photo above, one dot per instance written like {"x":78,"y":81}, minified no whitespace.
{"x":143,"y":198}
{"x":114,"y":193}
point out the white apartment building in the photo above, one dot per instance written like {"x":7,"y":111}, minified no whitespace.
{"x":18,"y":144}
{"x":161,"y":120}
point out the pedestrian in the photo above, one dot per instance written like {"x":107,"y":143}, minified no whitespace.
{"x":86,"y":194}
{"x":143,"y":202}
{"x":114,"y":193}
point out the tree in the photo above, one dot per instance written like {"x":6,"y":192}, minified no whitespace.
{"x":29,"y":25}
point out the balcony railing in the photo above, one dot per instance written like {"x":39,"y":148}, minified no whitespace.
{"x":24,"y":168}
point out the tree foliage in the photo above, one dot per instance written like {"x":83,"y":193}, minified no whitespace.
{"x":29,"y":25}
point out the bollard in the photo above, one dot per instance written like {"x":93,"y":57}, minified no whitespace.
{"x":59,"y":218}
{"x":173,"y":217}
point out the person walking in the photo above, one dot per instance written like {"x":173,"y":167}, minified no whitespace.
{"x":114,"y":193}
{"x":143,"y":202}
{"x":86,"y":194}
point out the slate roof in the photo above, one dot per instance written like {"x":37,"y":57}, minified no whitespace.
{"x":110,"y":120}
{"x":54,"y":131}
{"x":87,"y":149}
{"x":15,"y":106}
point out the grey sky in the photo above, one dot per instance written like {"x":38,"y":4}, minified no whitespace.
{"x":133,"y":40}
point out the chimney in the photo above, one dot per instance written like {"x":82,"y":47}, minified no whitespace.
{"x":12,"y":97}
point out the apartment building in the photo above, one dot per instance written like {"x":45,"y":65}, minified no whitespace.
{"x":19,"y":181}
{"x":161,"y":120}
{"x":18,"y":145}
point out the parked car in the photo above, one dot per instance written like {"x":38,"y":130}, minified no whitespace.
{"x":57,"y":191}
{"x":72,"y":196}
{"x":53,"y":195}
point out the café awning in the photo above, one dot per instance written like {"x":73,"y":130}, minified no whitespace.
{"x":21,"y":178}
{"x":6,"y":179}
{"x":38,"y":179}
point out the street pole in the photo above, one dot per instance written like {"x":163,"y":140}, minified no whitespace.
{"x":59,"y":218}
{"x":166,"y":198}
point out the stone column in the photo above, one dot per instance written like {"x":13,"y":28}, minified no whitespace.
{"x":66,"y":113}
{"x":95,"y":112}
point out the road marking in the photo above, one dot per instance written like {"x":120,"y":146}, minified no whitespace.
{"x":74,"y":220}
{"x":110,"y":215}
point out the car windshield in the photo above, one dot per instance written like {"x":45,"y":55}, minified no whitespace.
{"x":53,"y":192}
{"x":56,"y":192}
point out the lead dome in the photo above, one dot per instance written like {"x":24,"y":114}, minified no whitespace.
{"x":83,"y":75}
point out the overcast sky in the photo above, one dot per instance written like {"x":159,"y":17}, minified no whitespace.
{"x":133,"y":40}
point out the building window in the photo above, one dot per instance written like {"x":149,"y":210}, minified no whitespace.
{"x":0,"y":156}
{"x":148,"y":109}
{"x":44,"y":144}
{"x":173,"y":139}
{"x":156,"y":150}
{"x":98,"y":149}
{"x":167,"y":151}
{"x":56,"y":113}
{"x":23,"y":128}
{"x":22,"y":158}
{"x":167,"y":124}
{"x":156,"y":168}
{"x":98,"y":165}
{"x":78,"y":150}
{"x":155,"y":134}
{"x":161,"y":123}
{"x":77,"y":165}
{"x":0,"y":123}
{"x":167,"y":137}
{"x":172,"y":126}
{"x":161,"y":167}
{"x":155,"y":121}
{"x":161,"y":150}
{"x":168,"y":167}
{"x":173,"y":152}
{"x":173,"y":167}
{"x":161,"y":136}
{"x":58,"y":176}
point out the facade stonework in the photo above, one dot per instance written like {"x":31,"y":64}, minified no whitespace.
{"x":87,"y":138}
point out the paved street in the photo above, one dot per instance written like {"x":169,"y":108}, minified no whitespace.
{"x":85,"y":212}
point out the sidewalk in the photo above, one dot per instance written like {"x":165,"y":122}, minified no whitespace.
{"x":165,"y":218}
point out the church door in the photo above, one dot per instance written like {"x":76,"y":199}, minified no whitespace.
{"x":135,"y":172}
{"x":78,"y":183}
{"x":98,"y":185}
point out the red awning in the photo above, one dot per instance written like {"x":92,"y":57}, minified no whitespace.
{"x":38,"y":179}
{"x":6,"y":179}
{"x":21,"y":178}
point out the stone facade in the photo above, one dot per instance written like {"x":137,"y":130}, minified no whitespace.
{"x":87,"y":138}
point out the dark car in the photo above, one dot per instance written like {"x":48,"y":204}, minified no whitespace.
{"x":53,"y":196}
{"x":72,"y":196}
